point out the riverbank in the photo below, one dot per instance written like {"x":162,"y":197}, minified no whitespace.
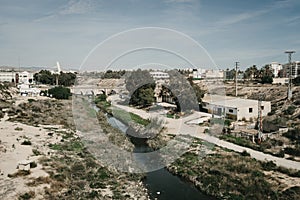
{"x":226,"y":174}
{"x":38,"y":135}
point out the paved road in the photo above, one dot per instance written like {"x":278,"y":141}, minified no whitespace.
{"x":179,"y":126}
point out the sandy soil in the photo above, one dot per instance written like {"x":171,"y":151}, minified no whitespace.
{"x":12,"y":152}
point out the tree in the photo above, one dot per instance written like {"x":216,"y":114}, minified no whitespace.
{"x":266,"y":74}
{"x":113,"y":74}
{"x":141,"y":87}
{"x":60,"y":92}
{"x":46,"y":77}
{"x":66,"y":79}
{"x":183,"y":92}
{"x":251,"y":73}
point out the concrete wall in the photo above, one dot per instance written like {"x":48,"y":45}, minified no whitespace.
{"x":244,"y":112}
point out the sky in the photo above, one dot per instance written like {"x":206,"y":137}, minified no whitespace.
{"x":102,"y":34}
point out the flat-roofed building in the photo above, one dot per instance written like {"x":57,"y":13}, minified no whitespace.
{"x":234,"y":108}
{"x":8,"y":76}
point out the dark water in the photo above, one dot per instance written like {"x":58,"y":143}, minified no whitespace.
{"x":161,"y":184}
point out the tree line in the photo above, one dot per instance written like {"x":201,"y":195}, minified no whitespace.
{"x":46,"y":77}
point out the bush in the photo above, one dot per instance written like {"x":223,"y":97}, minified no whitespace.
{"x":292,"y":151}
{"x":245,"y":153}
{"x":18,"y":129}
{"x":268,"y":166}
{"x":100,"y":98}
{"x":290,"y":110}
{"x":60,"y":92}
{"x":27,"y":195}
{"x":26,"y":142}
{"x":31,"y":100}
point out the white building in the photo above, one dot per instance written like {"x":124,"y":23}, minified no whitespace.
{"x":16,"y":77}
{"x":25,"y":77}
{"x":157,"y":75}
{"x":276,"y":67}
{"x":214,"y":74}
{"x":234,"y":108}
{"x":198,"y":73}
{"x":8,"y":76}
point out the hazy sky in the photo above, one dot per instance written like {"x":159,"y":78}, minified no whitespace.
{"x":42,"y":32}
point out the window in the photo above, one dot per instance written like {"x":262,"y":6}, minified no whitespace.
{"x":230,"y":110}
{"x":262,"y":107}
{"x":250,"y":110}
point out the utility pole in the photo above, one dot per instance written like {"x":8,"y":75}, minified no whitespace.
{"x":236,"y":75}
{"x":259,"y":118}
{"x":290,"y":94}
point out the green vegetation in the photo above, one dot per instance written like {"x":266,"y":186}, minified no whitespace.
{"x":293,"y":135}
{"x":27,"y":195}
{"x":31,"y":100}
{"x":232,"y":175}
{"x":46,"y":77}
{"x":33,"y":165}
{"x":225,"y":176}
{"x":18,"y":129}
{"x":172,"y":116}
{"x":296,"y":81}
{"x":60,"y":92}
{"x":141,"y":87}
{"x":127,"y":117}
{"x":290,"y":110}
{"x":36,"y":152}
{"x":72,"y":145}
{"x":75,"y":174}
{"x":26,"y":142}
{"x":101,"y":103}
{"x":263,"y":146}
{"x":113,"y":74}
{"x":293,"y":151}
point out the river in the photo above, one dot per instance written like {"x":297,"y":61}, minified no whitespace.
{"x":161,"y":184}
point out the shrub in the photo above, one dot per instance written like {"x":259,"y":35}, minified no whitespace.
{"x":31,"y":100}
{"x":290,"y":110}
{"x":100,"y":98}
{"x":36,"y":152}
{"x":60,"y":92}
{"x":245,"y":153}
{"x":18,"y":129}
{"x":27,"y":195}
{"x":33,"y":165}
{"x":26,"y":142}
{"x":270,"y":165}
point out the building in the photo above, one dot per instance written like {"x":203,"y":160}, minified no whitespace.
{"x":157,"y":75}
{"x":198,"y":73}
{"x":25,"y":77}
{"x":214,"y":74}
{"x":276,"y":67}
{"x":8,"y":76}
{"x":160,"y":78}
{"x":234,"y":108}
{"x":12,"y":76}
{"x":295,"y":70}
{"x":280,"y":81}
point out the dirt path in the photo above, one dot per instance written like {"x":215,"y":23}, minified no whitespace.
{"x":179,"y":126}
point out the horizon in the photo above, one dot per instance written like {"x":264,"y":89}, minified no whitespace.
{"x":253,"y":33}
